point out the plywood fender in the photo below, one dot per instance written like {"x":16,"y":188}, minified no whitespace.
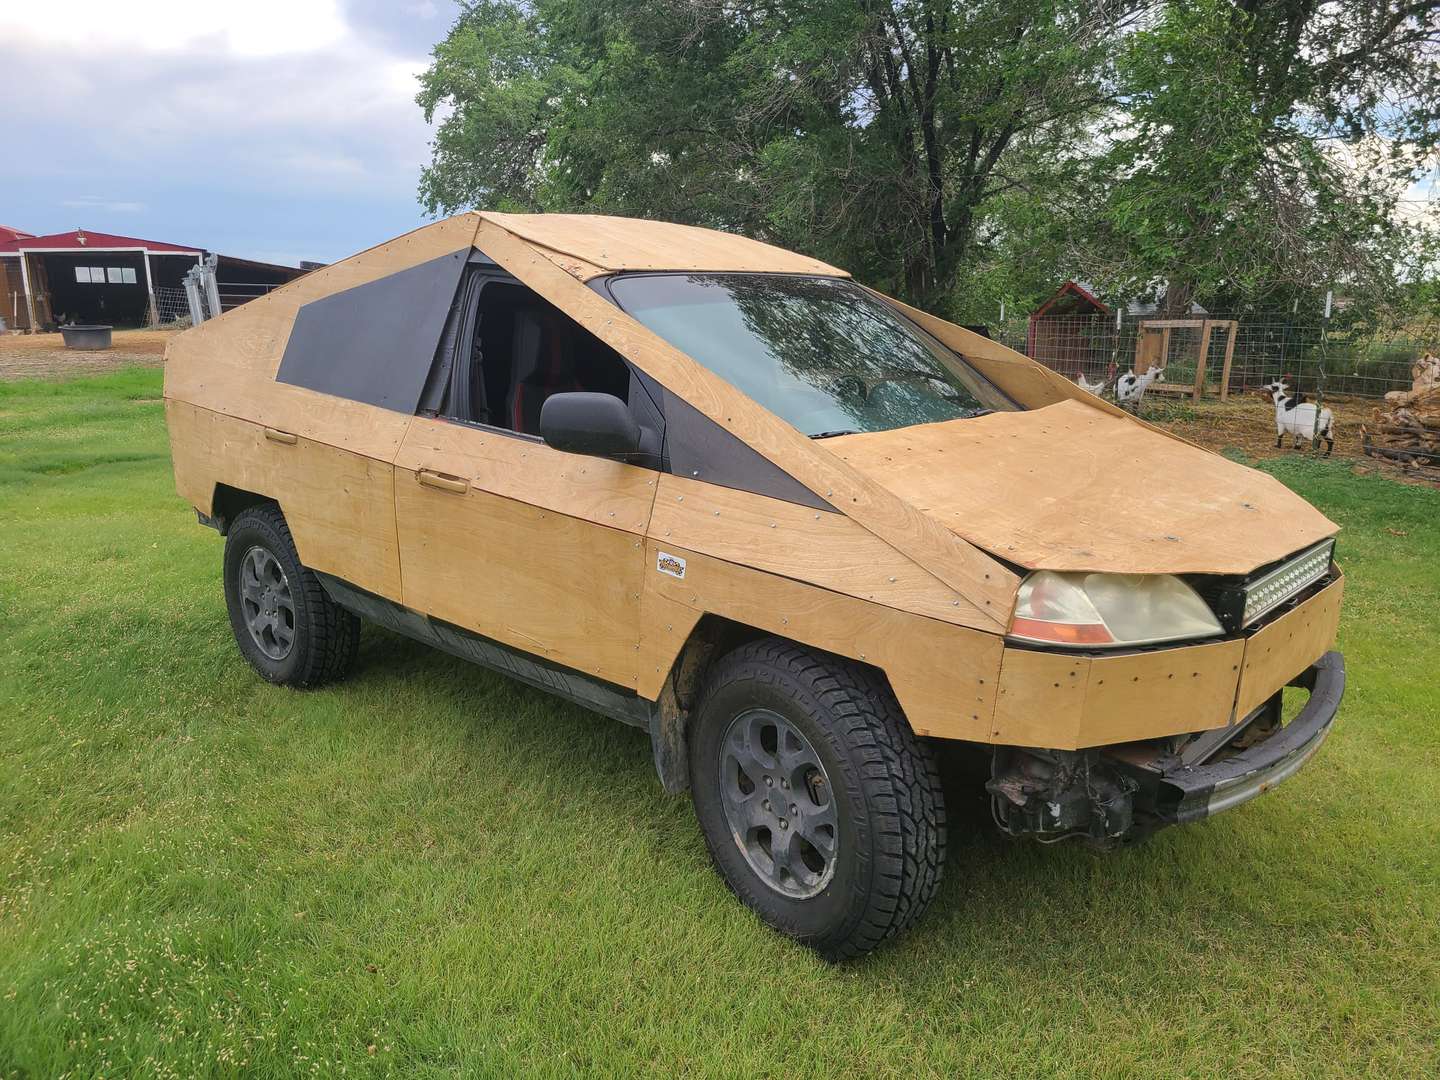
{"x":802,"y":543}
{"x":944,"y":675}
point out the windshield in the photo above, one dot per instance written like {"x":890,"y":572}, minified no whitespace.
{"x":820,"y":353}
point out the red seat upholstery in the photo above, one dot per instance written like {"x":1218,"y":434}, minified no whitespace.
{"x":543,"y":365}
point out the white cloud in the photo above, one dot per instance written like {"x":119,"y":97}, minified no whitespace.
{"x":252,"y":28}
{"x":109,"y":206}
{"x":274,"y":102}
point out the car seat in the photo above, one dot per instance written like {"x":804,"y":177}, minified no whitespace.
{"x":543,"y":365}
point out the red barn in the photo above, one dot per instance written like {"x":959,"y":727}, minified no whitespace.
{"x":93,"y":277}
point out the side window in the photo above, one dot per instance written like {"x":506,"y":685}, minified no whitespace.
{"x":510,"y":350}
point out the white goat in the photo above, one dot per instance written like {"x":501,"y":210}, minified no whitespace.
{"x":1130,"y":388}
{"x":1299,"y":420}
{"x":1096,"y":388}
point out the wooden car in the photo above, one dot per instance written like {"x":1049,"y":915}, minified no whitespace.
{"x":803,"y":535}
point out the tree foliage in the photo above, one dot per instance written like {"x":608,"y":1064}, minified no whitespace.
{"x":872,"y":133}
{"x":961,"y":153}
{"x":1263,"y":149}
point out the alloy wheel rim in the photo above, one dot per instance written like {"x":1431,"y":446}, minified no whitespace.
{"x":267,"y":604}
{"x":778,"y":803}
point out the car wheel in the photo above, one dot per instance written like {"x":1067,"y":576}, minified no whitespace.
{"x":821,"y":809}
{"x":284,"y":621}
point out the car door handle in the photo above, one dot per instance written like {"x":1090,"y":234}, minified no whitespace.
{"x":441,"y":482}
{"x":276,"y":435}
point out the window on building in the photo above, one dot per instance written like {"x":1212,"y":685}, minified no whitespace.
{"x":90,"y":275}
{"x":120,"y":275}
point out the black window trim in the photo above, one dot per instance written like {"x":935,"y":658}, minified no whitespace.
{"x":481,"y":266}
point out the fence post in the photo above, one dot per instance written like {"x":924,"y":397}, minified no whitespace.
{"x":1320,"y":377}
{"x":192,"y":297}
{"x":212,"y":289}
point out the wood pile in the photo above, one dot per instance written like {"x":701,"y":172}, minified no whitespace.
{"x":1407,"y":427}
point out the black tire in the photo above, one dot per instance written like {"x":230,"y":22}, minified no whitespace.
{"x":317,"y":639}
{"x":888,"y":814}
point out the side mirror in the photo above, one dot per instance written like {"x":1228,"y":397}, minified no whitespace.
{"x":581,"y":422}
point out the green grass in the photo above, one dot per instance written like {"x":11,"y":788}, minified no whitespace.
{"x":429,"y":870}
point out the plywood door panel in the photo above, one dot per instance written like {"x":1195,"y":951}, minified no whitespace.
{"x":505,"y":563}
{"x":606,"y":492}
{"x":970,"y":572}
{"x":1277,"y":653}
{"x":339,"y":505}
{"x":943,"y":675}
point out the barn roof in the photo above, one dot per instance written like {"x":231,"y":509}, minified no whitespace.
{"x":8,"y":232}
{"x":85,"y":240}
{"x":590,"y":244}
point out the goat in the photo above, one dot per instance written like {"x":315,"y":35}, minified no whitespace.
{"x":1130,"y":388}
{"x":1096,"y":388}
{"x":1295,"y":416}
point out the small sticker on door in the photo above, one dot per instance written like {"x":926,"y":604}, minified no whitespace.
{"x":669,"y":564}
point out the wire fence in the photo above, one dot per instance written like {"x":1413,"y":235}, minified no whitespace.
{"x":171,"y":305}
{"x":1347,"y":358}
{"x":1211,"y":367}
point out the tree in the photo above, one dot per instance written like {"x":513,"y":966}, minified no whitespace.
{"x":874,"y":133}
{"x":1263,"y":149}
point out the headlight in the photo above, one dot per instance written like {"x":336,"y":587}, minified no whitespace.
{"x":1102,"y":611}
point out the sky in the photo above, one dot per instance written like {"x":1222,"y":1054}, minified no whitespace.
{"x":277,"y":130}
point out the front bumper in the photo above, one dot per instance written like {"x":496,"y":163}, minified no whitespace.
{"x":1189,"y":793}
{"x":1115,"y":794}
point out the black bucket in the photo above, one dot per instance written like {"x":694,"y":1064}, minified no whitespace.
{"x":86,"y":337}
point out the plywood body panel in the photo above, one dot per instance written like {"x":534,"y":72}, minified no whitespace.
{"x":1069,"y":702}
{"x":339,"y":505}
{"x":1277,"y":653}
{"x":488,"y":549}
{"x":943,"y":675}
{"x":556,"y":554}
{"x":228,"y":364}
{"x":980,"y":579}
{"x":589,"y":244}
{"x":1067,"y":487}
{"x":605,"y":492}
{"x":815,"y":546}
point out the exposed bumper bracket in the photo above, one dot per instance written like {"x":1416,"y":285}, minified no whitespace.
{"x":1189,"y":794}
{"x":1109,"y":798}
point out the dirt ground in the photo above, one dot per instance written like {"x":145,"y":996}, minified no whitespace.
{"x":36,"y":356}
{"x":1247,"y":423}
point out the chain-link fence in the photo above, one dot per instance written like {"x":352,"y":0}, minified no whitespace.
{"x":1213,"y":364}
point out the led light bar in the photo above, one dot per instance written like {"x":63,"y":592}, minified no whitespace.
{"x":1272,"y":590}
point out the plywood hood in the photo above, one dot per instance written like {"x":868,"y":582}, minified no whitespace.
{"x":1068,"y":487}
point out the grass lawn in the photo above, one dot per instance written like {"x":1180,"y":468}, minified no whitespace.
{"x":430,"y":870}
